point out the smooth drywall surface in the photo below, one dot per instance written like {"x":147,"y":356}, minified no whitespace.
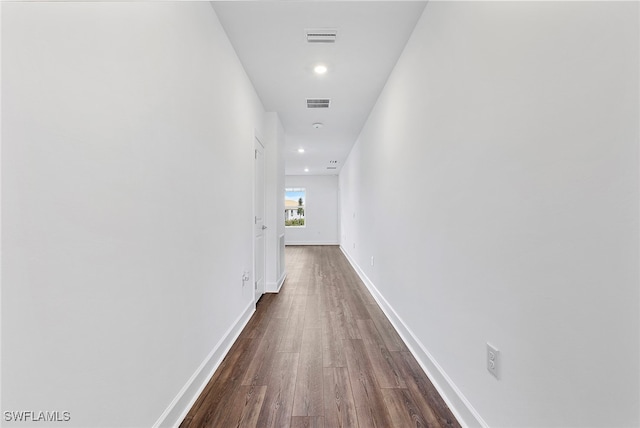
{"x":321,"y":210}
{"x":127,"y":158}
{"x":496,"y":184}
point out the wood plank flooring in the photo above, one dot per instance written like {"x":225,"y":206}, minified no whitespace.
{"x":320,"y":354}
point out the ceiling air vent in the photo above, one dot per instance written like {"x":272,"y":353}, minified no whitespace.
{"x":318,"y":102}
{"x":321,"y":36}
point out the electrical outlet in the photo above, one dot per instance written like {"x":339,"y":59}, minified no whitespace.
{"x":245,"y":277}
{"x":372,"y":261}
{"x":493,"y":360}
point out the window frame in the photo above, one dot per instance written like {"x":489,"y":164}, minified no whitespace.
{"x":303,"y":216}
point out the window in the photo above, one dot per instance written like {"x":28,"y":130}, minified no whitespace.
{"x":295,"y":200}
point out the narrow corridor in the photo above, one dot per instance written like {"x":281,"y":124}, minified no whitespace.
{"x":320,"y":353}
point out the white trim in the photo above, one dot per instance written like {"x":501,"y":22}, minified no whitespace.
{"x":281,"y":281}
{"x":258,"y":145}
{"x":274,"y":287}
{"x":457,"y":402}
{"x":311,"y":243}
{"x":177,"y":410}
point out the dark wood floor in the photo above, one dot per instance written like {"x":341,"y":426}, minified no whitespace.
{"x":320,"y":353}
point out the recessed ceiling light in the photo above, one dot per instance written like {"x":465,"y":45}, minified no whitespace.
{"x":306,"y":170}
{"x":320,"y":69}
{"x":301,"y":150}
{"x":317,"y":125}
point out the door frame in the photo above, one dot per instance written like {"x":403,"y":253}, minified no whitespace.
{"x":257,"y":293}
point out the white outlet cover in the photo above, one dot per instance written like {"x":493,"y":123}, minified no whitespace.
{"x":493,"y":360}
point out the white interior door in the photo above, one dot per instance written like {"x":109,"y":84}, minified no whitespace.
{"x":259,"y":226}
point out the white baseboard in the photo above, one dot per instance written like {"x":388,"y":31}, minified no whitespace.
{"x":281,"y":281}
{"x":182,"y":403}
{"x":457,"y":402}
{"x":274,"y":287}
{"x":312,"y":243}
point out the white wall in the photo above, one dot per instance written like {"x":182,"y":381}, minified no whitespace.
{"x":496,"y":184}
{"x":321,"y":210}
{"x":127,"y":158}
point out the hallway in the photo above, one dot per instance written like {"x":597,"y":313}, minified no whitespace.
{"x":319,"y":354}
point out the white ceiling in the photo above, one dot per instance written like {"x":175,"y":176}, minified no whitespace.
{"x":269,"y":38}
